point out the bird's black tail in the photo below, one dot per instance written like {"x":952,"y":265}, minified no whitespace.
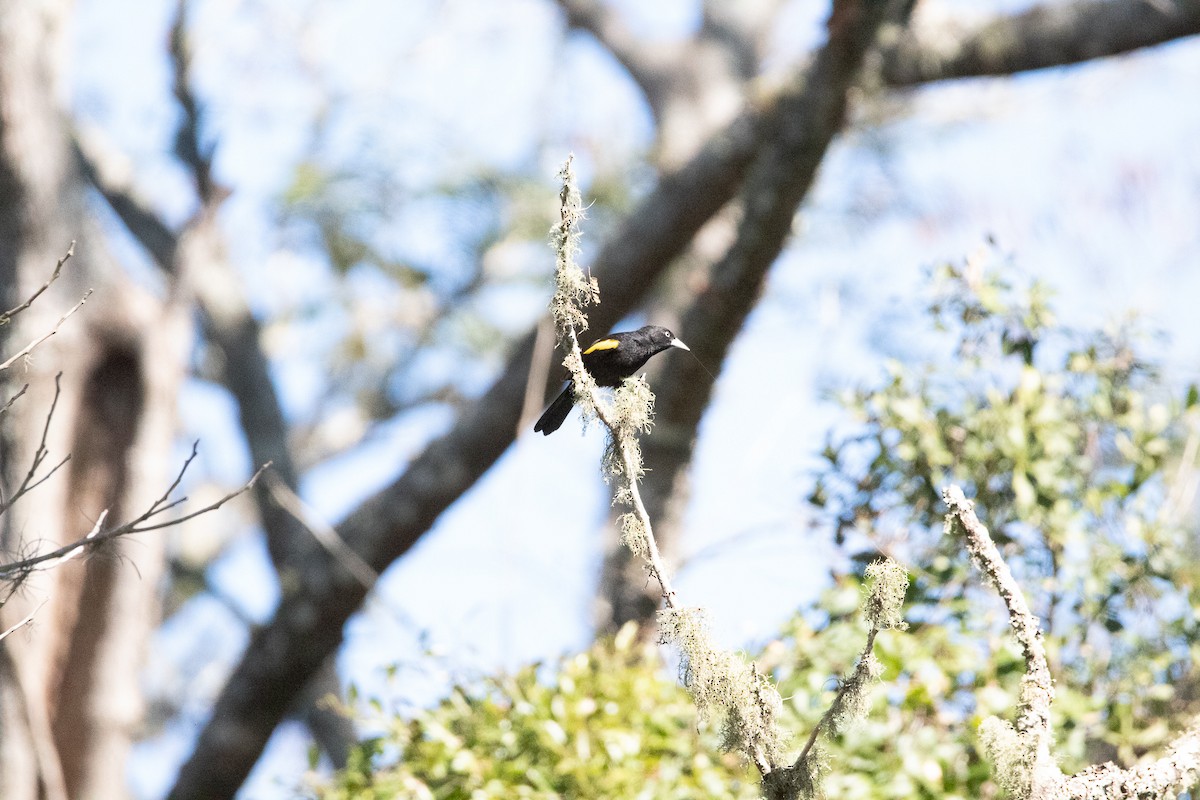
{"x":554,"y":416}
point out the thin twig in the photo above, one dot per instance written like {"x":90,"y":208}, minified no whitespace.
{"x":14,"y":399}
{"x":25,"y":620}
{"x":27,"y":349}
{"x":188,"y":147}
{"x":210,"y":507}
{"x":40,"y":454}
{"x":88,"y":538}
{"x":7,"y":316}
{"x":96,"y":535}
{"x":187,"y":462}
{"x":322,"y":531}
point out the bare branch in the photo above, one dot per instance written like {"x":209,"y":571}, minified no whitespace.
{"x":7,"y":316}
{"x":743,"y":30}
{"x":17,"y":570}
{"x":188,"y":147}
{"x":25,"y":351}
{"x":40,"y":454}
{"x":1048,"y":35}
{"x":101,"y":164}
{"x":26,"y":620}
{"x":14,"y":399}
{"x":247,"y":486}
{"x":652,"y":68}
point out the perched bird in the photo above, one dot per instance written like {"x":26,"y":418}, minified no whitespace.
{"x":610,"y":360}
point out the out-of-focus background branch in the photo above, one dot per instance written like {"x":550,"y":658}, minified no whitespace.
{"x":316,"y":237}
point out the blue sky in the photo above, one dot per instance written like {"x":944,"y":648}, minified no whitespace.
{"x":1088,"y":175}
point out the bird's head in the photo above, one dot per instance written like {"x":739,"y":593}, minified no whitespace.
{"x":661,"y":338}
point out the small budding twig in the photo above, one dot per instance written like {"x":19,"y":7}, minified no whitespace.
{"x":7,"y":316}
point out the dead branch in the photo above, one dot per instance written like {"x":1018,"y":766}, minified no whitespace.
{"x":21,"y":623}
{"x":28,"y":483}
{"x":14,"y":399}
{"x":18,"y":570}
{"x":27,"y":349}
{"x":7,"y":316}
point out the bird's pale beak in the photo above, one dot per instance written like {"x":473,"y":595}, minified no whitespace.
{"x":679,"y":343}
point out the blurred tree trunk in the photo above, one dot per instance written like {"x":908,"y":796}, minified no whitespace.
{"x":69,"y":695}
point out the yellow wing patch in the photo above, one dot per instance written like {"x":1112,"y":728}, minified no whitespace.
{"x":603,"y":344}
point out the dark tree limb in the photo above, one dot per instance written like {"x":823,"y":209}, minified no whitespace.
{"x":98,"y":164}
{"x":743,"y":27}
{"x":1050,"y":35}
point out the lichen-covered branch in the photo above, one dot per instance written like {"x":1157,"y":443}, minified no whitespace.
{"x":1024,"y":765}
{"x":1021,"y":755}
{"x":631,"y":411}
{"x":1175,"y":772}
{"x":888,"y":583}
{"x":721,"y":682}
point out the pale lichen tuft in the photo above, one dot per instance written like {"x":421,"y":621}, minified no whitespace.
{"x":1011,"y":756}
{"x":888,"y":585}
{"x":726,"y":687}
{"x":573,"y":290}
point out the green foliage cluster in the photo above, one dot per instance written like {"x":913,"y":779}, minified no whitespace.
{"x":1081,"y":464}
{"x":1071,"y":443}
{"x":606,"y":723}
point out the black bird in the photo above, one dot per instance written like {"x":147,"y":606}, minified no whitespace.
{"x":610,"y":360}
